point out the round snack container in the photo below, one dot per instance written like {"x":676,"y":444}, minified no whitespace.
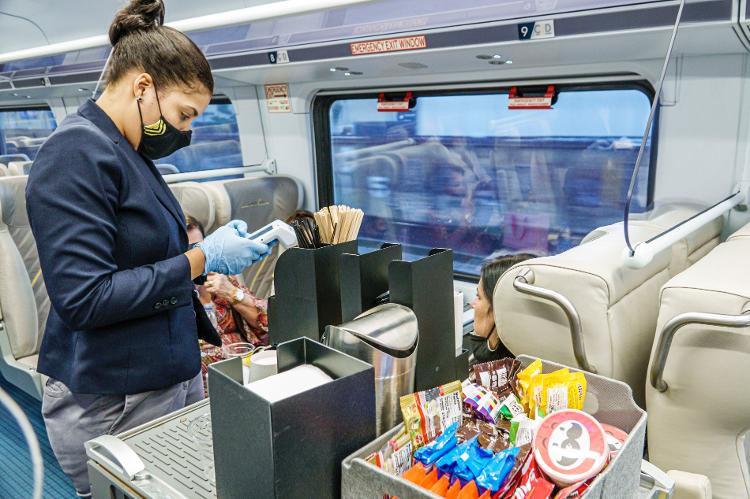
{"x":570,"y":446}
{"x":615,"y":438}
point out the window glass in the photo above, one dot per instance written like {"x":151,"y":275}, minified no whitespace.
{"x":215,"y":142}
{"x":22,"y":132}
{"x":465,"y":172}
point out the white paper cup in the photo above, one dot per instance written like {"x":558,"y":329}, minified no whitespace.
{"x":262,"y":365}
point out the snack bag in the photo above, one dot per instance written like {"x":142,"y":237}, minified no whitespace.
{"x":470,"y":464}
{"x":554,"y":395}
{"x":454,"y":490}
{"x":518,"y":470}
{"x":510,"y":407}
{"x":523,"y":381}
{"x":428,"y":412}
{"x":497,"y":374}
{"x":442,"y":486}
{"x":537,"y":393}
{"x":493,"y":476}
{"x":430,"y":453}
{"x":448,"y":463}
{"x":469,"y":491}
{"x":415,"y":474}
{"x":576,"y":390}
{"x":533,"y":484}
{"x":482,"y":401}
{"x":523,"y":430}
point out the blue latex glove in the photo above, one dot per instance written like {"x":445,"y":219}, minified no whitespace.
{"x":228,"y":251}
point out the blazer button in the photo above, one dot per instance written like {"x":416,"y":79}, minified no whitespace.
{"x":165,"y":303}
{"x":157,"y":305}
{"x":173,"y":300}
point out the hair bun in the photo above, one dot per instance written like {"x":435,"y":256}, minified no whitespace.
{"x":137,"y":15}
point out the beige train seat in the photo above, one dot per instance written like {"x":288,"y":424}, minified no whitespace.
{"x":24,"y":304}
{"x":696,"y":395}
{"x":3,"y":170}
{"x":584,"y":308}
{"x":258,"y":201}
{"x":196,"y":201}
{"x":19,"y":167}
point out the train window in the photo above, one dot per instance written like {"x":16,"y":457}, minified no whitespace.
{"x":22,"y":132}
{"x":215,"y":143}
{"x":462,"y":171}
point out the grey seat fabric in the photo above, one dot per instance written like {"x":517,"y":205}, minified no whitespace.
{"x":258,"y":201}
{"x":24,"y":304}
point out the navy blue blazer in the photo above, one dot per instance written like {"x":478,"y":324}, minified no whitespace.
{"x":111,"y":238}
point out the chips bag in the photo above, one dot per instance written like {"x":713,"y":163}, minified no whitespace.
{"x":427,"y":413}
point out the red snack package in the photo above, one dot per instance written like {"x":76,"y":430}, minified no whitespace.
{"x":415,"y":474}
{"x":454,"y":490}
{"x":430,"y":480}
{"x":533,"y":484}
{"x":573,"y":491}
{"x":441,"y":486}
{"x":470,"y":491}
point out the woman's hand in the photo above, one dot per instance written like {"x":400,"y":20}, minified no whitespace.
{"x":220,"y":286}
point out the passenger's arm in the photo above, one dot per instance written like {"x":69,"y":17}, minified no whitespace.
{"x":73,"y":201}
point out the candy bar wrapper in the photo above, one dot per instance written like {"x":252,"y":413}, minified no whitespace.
{"x":510,"y":407}
{"x":574,"y":491}
{"x":533,"y":484}
{"x":400,"y":460}
{"x":495,"y":375}
{"x":518,"y":470}
{"x":494,"y":475}
{"x":482,"y":401}
{"x":436,"y":449}
{"x":523,"y":430}
{"x":428,"y":412}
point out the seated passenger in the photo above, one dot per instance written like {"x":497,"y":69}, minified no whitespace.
{"x":237,"y":315}
{"x":485,"y":344}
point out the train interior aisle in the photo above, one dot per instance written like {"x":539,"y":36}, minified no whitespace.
{"x":597,"y":149}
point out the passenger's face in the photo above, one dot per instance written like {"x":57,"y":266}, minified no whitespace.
{"x":484,"y":320}
{"x":194,"y":236}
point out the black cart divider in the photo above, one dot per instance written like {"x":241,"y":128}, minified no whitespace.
{"x":364,"y":278}
{"x":334,"y":284}
{"x":308,"y":294}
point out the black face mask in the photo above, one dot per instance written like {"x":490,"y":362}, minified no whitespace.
{"x":161,"y":138}
{"x":480,"y":350}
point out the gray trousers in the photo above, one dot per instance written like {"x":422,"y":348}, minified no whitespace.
{"x":72,"y":419}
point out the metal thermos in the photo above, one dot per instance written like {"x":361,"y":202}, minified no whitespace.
{"x":386,"y":337}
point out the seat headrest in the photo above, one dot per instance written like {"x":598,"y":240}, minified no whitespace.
{"x":13,"y":201}
{"x":260,"y":200}
{"x":196,"y":201}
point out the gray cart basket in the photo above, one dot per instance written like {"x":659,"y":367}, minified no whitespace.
{"x":610,"y":401}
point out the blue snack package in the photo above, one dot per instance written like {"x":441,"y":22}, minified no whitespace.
{"x":447,"y":463}
{"x":471,"y":463}
{"x":439,"y":447}
{"x":496,"y":472}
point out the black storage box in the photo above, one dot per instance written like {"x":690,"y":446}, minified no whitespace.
{"x":291,"y":448}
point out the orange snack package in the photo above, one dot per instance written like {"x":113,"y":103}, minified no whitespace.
{"x":470,"y":491}
{"x":453,"y":491}
{"x":430,"y":480}
{"x":441,"y":486}
{"x":415,"y":474}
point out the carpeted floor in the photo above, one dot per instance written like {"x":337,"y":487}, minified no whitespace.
{"x":16,"y":476}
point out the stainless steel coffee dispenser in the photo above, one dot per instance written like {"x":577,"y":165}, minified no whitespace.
{"x":386,"y":337}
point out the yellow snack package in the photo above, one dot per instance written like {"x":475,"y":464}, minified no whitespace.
{"x":576,"y":390}
{"x":524,"y":380}
{"x":538,"y":390}
{"x":555,"y":388}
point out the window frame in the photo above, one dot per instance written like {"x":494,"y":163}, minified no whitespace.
{"x":321,"y":108}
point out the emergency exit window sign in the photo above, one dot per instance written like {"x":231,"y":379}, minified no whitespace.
{"x":536,"y":30}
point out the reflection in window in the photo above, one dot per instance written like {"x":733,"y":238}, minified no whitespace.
{"x":22,"y":133}
{"x":215,"y":142}
{"x":465,"y":172}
